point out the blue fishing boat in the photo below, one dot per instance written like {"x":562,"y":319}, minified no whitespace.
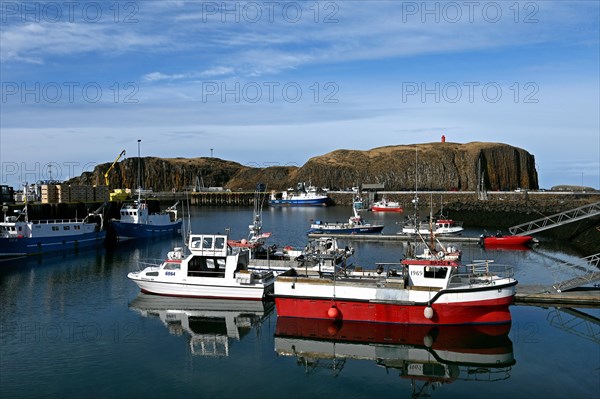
{"x":136,"y":220}
{"x":20,"y":236}
{"x":305,"y":195}
{"x":354,"y":225}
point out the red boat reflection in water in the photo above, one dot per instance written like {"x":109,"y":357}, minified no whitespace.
{"x":429,"y":356}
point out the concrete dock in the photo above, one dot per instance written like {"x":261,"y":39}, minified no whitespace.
{"x":391,"y":237}
{"x":544,"y":296}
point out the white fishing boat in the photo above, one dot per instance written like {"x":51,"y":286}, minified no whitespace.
{"x":441,"y":227}
{"x":386,"y":206}
{"x":321,"y":254}
{"x":210,"y":269}
{"x":304,"y":195}
{"x":355,"y":225}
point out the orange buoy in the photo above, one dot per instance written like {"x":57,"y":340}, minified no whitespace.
{"x":333,"y":312}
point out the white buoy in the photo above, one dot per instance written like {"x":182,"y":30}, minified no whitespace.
{"x":428,"y":312}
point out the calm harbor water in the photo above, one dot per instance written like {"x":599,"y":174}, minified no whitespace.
{"x":73,"y":325}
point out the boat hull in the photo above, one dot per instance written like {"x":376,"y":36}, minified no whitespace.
{"x":191,"y":290}
{"x":315,"y":298}
{"x":300,"y":202}
{"x":124,"y":231}
{"x":385,"y":209}
{"x":33,"y":246}
{"x":484,"y":312}
{"x":349,"y":230}
{"x":507,"y":241}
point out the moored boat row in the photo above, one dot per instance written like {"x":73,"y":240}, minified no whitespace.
{"x":21,"y":236}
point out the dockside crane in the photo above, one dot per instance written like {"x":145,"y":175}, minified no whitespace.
{"x":116,"y":194}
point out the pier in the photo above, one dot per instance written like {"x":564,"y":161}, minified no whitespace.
{"x":392,"y":237}
{"x":542,"y":296}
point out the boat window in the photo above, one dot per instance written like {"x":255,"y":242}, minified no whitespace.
{"x":201,"y":266}
{"x":207,"y":243}
{"x":172,"y":266}
{"x":219,"y":243}
{"x":435,"y":272}
{"x":21,"y":228}
{"x":77,"y":227}
{"x":54,"y":228}
{"x":66,"y":227}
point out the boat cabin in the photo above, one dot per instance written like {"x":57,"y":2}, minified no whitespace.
{"x":138,"y":213}
{"x":429,"y":273}
{"x":45,"y":228}
{"x":212,"y":257}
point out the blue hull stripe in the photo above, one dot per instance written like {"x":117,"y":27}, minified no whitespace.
{"x":30,"y":246}
{"x":319,"y":201}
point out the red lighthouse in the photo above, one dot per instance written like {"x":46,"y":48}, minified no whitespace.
{"x":443,"y":138}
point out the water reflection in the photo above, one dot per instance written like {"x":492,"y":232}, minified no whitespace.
{"x":210,"y":323}
{"x":429,"y":356}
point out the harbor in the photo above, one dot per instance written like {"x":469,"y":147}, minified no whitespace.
{"x":82,"y":302}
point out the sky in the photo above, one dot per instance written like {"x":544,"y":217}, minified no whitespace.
{"x":268,"y":83}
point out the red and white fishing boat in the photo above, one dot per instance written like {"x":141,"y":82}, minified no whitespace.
{"x":386,"y":206}
{"x":415,"y":291}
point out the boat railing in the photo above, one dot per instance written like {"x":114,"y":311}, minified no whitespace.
{"x":481,"y":272}
{"x":56,"y":221}
{"x":382,"y":269}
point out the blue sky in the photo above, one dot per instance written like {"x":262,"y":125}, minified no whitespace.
{"x":276,"y":83}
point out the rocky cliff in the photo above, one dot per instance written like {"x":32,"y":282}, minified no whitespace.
{"x":440,"y":166}
{"x":163,"y":174}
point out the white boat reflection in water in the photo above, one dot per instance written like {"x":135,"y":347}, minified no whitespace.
{"x":428,"y":356}
{"x":210,"y":323}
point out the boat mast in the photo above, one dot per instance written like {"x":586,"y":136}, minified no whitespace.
{"x":139,"y":174}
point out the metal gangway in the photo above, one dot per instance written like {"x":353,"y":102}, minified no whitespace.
{"x":591,"y":276}
{"x":576,"y":322}
{"x":556,"y":220}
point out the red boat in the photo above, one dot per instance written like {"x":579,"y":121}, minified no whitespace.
{"x":502,"y":240}
{"x":433,"y":291}
{"x":386,"y":206}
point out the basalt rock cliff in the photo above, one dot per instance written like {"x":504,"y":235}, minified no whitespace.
{"x":439,"y":166}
